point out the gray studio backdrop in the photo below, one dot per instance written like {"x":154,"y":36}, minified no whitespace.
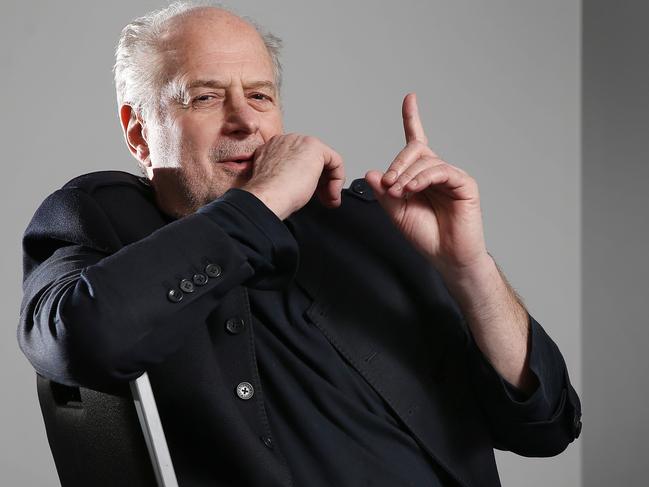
{"x":498,"y":84}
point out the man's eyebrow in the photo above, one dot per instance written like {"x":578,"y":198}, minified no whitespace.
{"x":212,"y":83}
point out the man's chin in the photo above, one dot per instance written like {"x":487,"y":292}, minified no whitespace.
{"x":234,"y":174}
{"x":237,"y":180}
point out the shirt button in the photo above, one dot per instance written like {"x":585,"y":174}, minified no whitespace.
{"x":212,"y":270}
{"x":268,"y":441}
{"x":186,"y":286}
{"x":199,"y":279}
{"x":235,"y":325}
{"x":174,"y":295}
{"x":245,"y":390}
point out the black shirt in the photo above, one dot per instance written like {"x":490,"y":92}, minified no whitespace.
{"x":330,"y":425}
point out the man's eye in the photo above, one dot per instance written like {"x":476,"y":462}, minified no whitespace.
{"x":203,"y":98}
{"x":262,"y":95}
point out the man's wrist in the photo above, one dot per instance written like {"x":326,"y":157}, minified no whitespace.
{"x":476,"y":289}
{"x":272,"y":202}
{"x":468,"y":275}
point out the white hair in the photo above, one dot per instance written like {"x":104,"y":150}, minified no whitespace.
{"x":139,"y":65}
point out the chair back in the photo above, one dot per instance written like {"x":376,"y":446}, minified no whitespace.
{"x":95,"y":437}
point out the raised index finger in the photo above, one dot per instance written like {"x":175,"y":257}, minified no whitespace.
{"x":412,"y":126}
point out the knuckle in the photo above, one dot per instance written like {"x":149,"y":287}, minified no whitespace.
{"x":407,"y":175}
{"x":310,"y":139}
{"x":397,"y":164}
{"x":430,"y":159}
{"x":446,"y":168}
{"x":436,"y":168}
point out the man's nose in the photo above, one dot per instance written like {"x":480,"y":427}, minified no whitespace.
{"x":240,"y":117}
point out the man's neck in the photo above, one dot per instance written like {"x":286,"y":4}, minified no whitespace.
{"x":169,"y":198}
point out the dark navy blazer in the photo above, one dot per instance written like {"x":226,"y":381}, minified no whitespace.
{"x":100,"y":260}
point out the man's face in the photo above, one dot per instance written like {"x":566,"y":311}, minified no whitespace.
{"x":224,"y":105}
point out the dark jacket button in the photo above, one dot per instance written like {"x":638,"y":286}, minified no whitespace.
{"x":186,"y":286}
{"x":361,"y":189}
{"x":212,"y":270}
{"x":174,"y":295}
{"x":234,"y":325}
{"x":199,"y":279}
{"x":359,"y":186}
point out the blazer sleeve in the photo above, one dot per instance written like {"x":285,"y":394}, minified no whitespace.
{"x":96,"y":312}
{"x":539,"y":424}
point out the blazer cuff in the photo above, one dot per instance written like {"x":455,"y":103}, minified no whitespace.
{"x":266,"y":241}
{"x":549,"y":369}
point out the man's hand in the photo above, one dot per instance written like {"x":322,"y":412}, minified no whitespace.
{"x":439,"y":212}
{"x":434,"y":204}
{"x":289,"y":168}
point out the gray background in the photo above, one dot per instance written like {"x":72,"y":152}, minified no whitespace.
{"x":499,"y":86}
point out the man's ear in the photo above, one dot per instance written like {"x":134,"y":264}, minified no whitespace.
{"x":135,"y":134}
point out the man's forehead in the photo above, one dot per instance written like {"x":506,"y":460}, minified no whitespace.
{"x":213,"y":48}
{"x":187,"y":69}
{"x":202,"y":52}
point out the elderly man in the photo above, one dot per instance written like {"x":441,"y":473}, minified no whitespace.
{"x":295,"y":332}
